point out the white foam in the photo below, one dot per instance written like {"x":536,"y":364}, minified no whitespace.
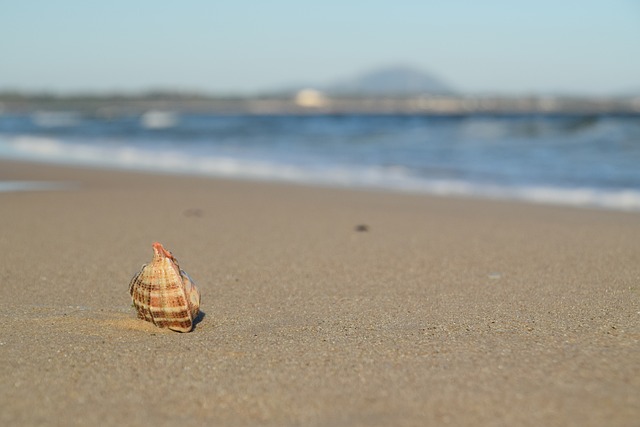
{"x":625,"y":199}
{"x":155,"y":119}
{"x":37,"y":146}
{"x":390,"y":178}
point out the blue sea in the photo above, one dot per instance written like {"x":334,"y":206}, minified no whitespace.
{"x":579,"y":160}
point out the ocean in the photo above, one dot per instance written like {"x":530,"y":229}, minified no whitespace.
{"x":579,"y":160}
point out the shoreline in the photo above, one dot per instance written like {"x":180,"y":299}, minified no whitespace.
{"x":624,"y":200}
{"x":321,"y":306}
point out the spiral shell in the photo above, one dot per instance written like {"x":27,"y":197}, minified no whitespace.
{"x":164,"y":294}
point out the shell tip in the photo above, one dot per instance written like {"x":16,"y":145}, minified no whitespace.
{"x":160,"y":250}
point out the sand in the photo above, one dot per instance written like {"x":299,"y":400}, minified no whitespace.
{"x":441,"y":311}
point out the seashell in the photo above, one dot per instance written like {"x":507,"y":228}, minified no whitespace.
{"x":164,"y":294}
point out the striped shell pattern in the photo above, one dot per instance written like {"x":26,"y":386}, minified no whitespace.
{"x":164,"y":294}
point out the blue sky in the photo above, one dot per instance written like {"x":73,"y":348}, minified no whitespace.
{"x":519,"y":47}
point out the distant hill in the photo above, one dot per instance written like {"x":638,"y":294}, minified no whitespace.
{"x":396,"y":80}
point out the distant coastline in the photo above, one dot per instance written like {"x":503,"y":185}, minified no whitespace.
{"x":398,"y":89}
{"x":315,"y":102}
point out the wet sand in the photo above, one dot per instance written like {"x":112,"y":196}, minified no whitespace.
{"x":321,"y":307}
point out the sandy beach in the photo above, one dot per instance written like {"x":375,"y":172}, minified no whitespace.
{"x":321,"y":307}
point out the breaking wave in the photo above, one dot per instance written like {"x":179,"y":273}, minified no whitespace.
{"x":394,"y":178}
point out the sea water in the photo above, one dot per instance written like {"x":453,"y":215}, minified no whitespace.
{"x":581,"y":160}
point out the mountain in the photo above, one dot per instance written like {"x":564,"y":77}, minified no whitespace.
{"x":396,"y":80}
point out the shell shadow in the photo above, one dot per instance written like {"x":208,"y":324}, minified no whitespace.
{"x":199,"y":318}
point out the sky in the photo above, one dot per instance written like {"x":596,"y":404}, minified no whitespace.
{"x":506,"y":47}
